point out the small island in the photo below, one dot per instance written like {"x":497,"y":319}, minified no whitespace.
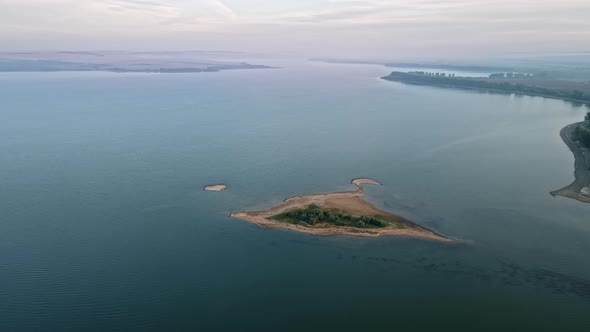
{"x":215,"y":187}
{"x":338,"y":213}
{"x":577,"y":137}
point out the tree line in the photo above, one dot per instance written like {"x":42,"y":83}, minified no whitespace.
{"x":487,"y":84}
{"x":431,"y":74}
{"x":510,"y":75}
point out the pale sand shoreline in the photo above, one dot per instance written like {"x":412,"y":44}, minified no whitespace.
{"x":215,"y":187}
{"x":351,"y":202}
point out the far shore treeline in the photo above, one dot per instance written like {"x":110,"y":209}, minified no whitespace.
{"x":500,"y":82}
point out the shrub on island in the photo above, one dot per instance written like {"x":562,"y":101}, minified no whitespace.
{"x":313,"y":215}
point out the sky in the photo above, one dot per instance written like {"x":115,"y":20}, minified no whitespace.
{"x":313,"y":28}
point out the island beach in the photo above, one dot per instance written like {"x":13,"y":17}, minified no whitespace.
{"x":349,"y":202}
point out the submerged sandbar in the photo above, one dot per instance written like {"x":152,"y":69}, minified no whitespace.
{"x":338,"y":213}
{"x":215,"y":187}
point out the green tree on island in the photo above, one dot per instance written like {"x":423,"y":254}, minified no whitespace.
{"x":313,"y":214}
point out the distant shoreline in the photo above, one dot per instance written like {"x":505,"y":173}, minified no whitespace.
{"x":484,"y":84}
{"x":581,"y":167}
{"x":123,"y":70}
{"x":119,"y":62}
{"x":347,"y":201}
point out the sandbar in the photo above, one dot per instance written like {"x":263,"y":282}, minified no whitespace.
{"x":215,"y":187}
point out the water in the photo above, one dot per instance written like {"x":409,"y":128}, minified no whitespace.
{"x":105,"y":227}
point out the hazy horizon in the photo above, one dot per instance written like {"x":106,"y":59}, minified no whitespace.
{"x":310,"y":28}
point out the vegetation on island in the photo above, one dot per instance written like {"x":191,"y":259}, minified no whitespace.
{"x":313,"y":215}
{"x":582,"y":133}
{"x":516,"y":83}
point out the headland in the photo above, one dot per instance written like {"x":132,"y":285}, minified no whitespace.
{"x":580,"y":188}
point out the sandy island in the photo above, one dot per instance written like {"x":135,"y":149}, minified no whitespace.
{"x":580,"y":188}
{"x":349,"y":202}
{"x":216,"y":187}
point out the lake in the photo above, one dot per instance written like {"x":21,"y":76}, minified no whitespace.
{"x":105,"y":225}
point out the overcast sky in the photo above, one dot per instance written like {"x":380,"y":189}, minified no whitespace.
{"x":345,"y":28}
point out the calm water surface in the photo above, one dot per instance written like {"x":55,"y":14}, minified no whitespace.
{"x":104,"y":225}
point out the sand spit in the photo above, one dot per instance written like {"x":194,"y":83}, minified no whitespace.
{"x":215,"y":187}
{"x":360,"y":181}
{"x":350,"y":202}
{"x":579,"y":189}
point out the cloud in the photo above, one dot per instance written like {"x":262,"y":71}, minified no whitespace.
{"x":371,"y":26}
{"x":223,"y":8}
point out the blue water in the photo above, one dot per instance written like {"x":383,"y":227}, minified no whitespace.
{"x":104,"y":225}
